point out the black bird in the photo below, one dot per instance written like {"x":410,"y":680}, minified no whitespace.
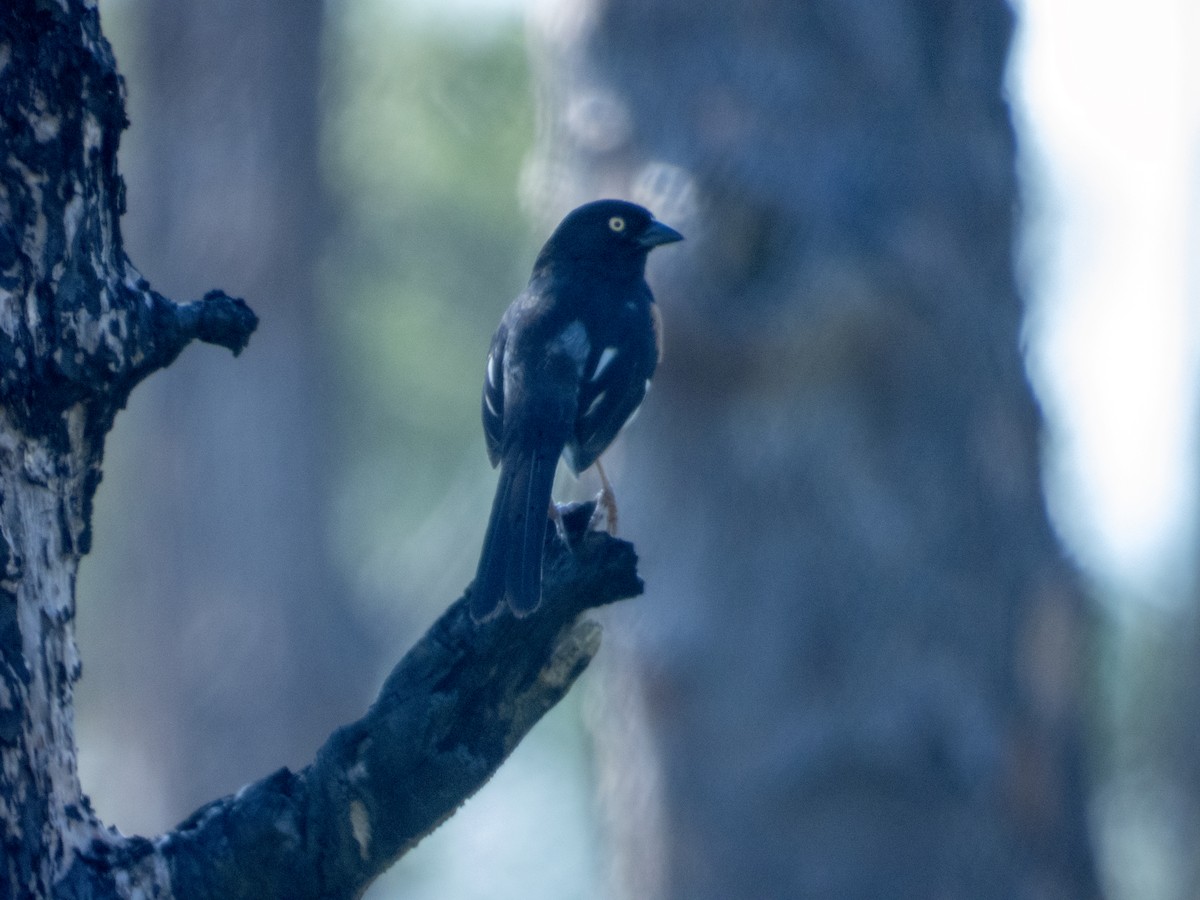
{"x":568,"y":366}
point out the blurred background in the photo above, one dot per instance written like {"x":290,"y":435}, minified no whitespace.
{"x":911,"y":629}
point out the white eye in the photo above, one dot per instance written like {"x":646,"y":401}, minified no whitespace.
{"x":617,"y":224}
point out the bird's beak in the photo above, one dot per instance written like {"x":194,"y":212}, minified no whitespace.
{"x":657,"y":233}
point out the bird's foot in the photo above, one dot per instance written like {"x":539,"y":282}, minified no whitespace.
{"x":605,"y":514}
{"x":572,"y":521}
{"x":606,"y":505}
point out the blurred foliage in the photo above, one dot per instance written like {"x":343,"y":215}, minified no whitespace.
{"x":426,"y":126}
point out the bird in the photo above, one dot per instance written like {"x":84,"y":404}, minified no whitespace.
{"x":568,"y":367}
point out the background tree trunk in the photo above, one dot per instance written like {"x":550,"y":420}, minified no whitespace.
{"x":858,"y":674}
{"x":215,"y":552}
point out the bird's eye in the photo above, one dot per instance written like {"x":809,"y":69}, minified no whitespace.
{"x":617,"y":224}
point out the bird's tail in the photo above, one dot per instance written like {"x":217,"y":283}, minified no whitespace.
{"x":510,"y":564}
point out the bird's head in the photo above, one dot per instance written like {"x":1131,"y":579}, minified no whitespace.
{"x":605,"y":232}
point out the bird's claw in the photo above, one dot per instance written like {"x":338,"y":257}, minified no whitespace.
{"x":606,"y":504}
{"x":606,"y":512}
{"x":572,"y":521}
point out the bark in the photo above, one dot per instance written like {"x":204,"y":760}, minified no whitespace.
{"x":79,"y":328}
{"x":861,"y":676}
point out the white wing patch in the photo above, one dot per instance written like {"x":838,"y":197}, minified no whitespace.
{"x":487,"y":399}
{"x":492,"y":377}
{"x":606,"y":357}
{"x":595,"y":403}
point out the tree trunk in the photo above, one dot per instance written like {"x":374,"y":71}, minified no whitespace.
{"x":79,"y":328}
{"x":860,"y":674}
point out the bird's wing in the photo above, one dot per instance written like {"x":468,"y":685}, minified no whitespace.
{"x":613,"y":387}
{"x":493,"y":394}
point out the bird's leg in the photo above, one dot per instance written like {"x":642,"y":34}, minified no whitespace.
{"x":606,"y":501}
